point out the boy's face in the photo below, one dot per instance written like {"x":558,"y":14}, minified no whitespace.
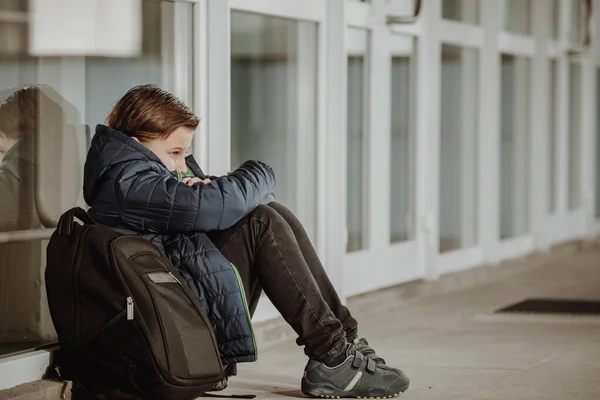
{"x":172,"y":150}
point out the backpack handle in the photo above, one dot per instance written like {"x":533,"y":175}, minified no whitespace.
{"x":65,"y":224}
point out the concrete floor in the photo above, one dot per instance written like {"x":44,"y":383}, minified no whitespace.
{"x":453,"y":348}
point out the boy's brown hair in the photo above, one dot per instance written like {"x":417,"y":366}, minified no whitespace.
{"x":148,"y":112}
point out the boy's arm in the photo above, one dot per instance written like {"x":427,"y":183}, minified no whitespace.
{"x":150,"y":201}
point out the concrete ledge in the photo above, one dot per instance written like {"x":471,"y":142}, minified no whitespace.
{"x":39,"y":390}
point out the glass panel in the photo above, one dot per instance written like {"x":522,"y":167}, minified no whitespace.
{"x":402,"y":142}
{"x":68,"y":97}
{"x":356,"y":167}
{"x":554,"y":18}
{"x":577,"y":23}
{"x":515,"y":147}
{"x":14,"y":39}
{"x":125,"y":73}
{"x":273,"y":109}
{"x":517,"y":17}
{"x":552,"y":159}
{"x":14,"y":5}
{"x":574,"y":136}
{"x":598,"y":143}
{"x":458,"y":148}
{"x":461,"y":10}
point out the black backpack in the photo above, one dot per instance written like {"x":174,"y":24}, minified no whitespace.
{"x":127,"y":326}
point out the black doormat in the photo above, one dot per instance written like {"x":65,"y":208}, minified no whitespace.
{"x":554,"y":306}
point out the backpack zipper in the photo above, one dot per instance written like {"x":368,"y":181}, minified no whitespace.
{"x":75,"y":282}
{"x":129,"y":308}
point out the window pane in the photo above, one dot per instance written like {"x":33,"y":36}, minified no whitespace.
{"x":273,"y":109}
{"x":73,"y":95}
{"x":402,"y":140}
{"x":461,"y":10}
{"x":574,"y":136}
{"x":554,"y":18}
{"x":552,"y":176}
{"x":356,"y":167}
{"x":153,"y":65}
{"x":515,"y":147}
{"x":517,"y":17}
{"x":14,"y":39}
{"x":577,"y":23}
{"x":14,"y":5}
{"x":458,"y":148}
{"x":598,"y":143}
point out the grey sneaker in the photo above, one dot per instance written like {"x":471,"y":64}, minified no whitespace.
{"x":357,"y":377}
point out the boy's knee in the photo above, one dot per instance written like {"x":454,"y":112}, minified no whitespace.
{"x":267,"y":215}
{"x":264,"y":211}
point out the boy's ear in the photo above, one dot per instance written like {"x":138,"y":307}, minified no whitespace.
{"x":136,"y":139}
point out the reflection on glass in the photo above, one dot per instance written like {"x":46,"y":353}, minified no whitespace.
{"x":35,"y":189}
{"x":461,"y":10}
{"x":402,"y":154}
{"x":14,"y":38}
{"x":517,"y":17}
{"x":273,"y":109}
{"x":458,"y":148}
{"x":577,"y":23}
{"x":14,"y":5}
{"x":553,"y":176}
{"x":356,"y":158}
{"x":125,"y":73}
{"x":598,"y":143}
{"x":554,"y":18}
{"x":574,"y":136}
{"x":515,"y":147}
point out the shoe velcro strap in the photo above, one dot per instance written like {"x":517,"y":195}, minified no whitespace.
{"x":359,"y":360}
{"x":371,"y":366}
{"x":369,"y":352}
{"x":376,"y":358}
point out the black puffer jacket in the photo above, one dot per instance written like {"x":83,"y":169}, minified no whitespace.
{"x":129,"y":188}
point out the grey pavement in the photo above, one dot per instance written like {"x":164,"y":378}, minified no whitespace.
{"x":453,"y":347}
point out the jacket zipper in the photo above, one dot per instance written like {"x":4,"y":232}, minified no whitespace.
{"x":247,"y":310}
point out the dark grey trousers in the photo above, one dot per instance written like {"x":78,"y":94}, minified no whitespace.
{"x":272,"y":252}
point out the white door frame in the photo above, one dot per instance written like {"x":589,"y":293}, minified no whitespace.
{"x":219,"y":111}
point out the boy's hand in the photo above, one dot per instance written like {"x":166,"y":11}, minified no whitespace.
{"x":193,"y":181}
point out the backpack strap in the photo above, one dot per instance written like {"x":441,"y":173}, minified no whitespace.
{"x":65,"y":224}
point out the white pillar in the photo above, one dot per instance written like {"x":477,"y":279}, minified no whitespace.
{"x":335,"y":216}
{"x":219,"y":87}
{"x":489,"y":140}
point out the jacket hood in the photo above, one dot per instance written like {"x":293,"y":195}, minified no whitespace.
{"x":108,"y":149}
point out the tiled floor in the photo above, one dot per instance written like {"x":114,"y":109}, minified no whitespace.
{"x":452,"y":348}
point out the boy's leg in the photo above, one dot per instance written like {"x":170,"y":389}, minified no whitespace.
{"x":266,"y":253}
{"x":316,"y":268}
